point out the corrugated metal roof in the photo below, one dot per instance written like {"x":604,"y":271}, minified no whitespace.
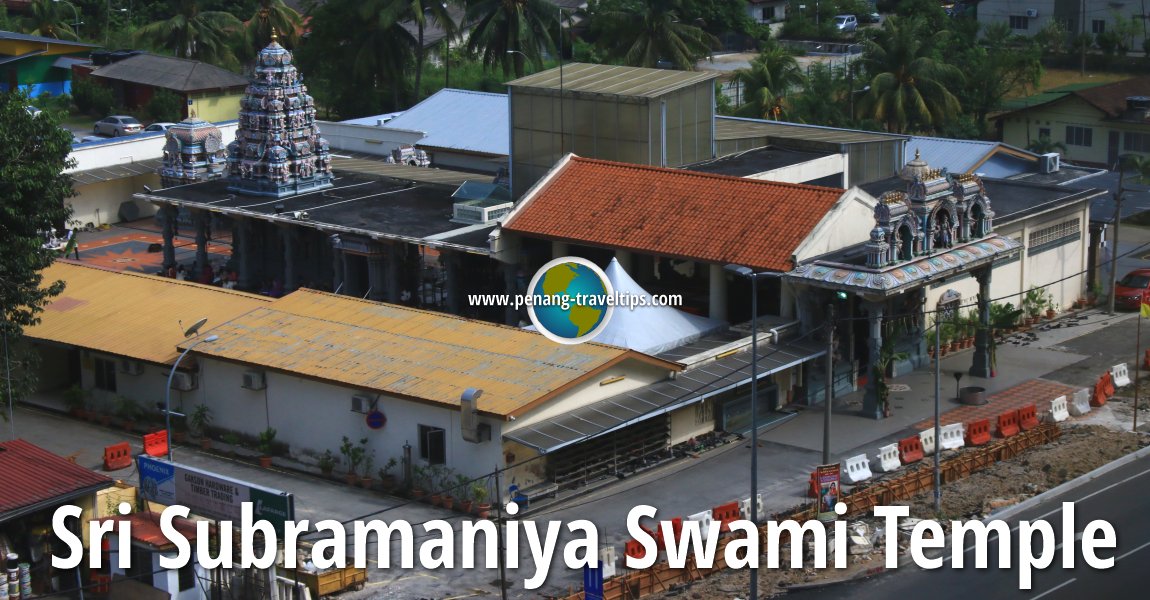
{"x":956,"y":156}
{"x":409,"y":353}
{"x":32,"y":478}
{"x":178,"y":74}
{"x":120,"y":171}
{"x":737,"y":128}
{"x":459,"y":120}
{"x":614,"y":80}
{"x":130,"y":314}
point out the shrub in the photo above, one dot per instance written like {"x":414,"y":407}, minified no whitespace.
{"x":164,"y":106}
{"x":92,"y":98}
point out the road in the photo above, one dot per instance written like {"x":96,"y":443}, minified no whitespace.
{"x":1118,"y":497}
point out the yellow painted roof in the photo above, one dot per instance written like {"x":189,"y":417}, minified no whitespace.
{"x":410,"y":353}
{"x":131,"y":314}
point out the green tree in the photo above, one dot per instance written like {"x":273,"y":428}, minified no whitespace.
{"x":273,"y":16}
{"x":908,"y":84}
{"x":1045,"y":145}
{"x":1137,"y":164}
{"x":210,"y":36}
{"x":824,"y":99}
{"x":420,"y":12}
{"x":641,"y":33}
{"x":1052,"y":37}
{"x":504,"y":28}
{"x":33,"y":185}
{"x":51,"y":19}
{"x":1001,"y":64}
{"x":772,"y":75}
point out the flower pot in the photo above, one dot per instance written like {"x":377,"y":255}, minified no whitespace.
{"x":417,"y":493}
{"x":943,"y":350}
{"x":1050,"y":313}
{"x":179,"y":437}
{"x":388,"y":483}
{"x":955,"y":346}
{"x":968,"y":342}
{"x":205,"y":443}
{"x":351,"y":479}
{"x":465,"y":507}
{"x":106,"y":420}
{"x":483,"y":510}
{"x":436,"y":500}
{"x":448,"y":502}
{"x":266,"y":462}
{"x":326,"y":472}
{"x":365,"y":482}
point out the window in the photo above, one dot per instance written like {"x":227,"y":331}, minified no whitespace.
{"x":1136,"y":142}
{"x":433,"y":444}
{"x":1098,"y":26}
{"x":105,"y":374}
{"x":1043,"y":132}
{"x":1018,"y":22}
{"x":1054,"y":233}
{"x":1079,"y":136}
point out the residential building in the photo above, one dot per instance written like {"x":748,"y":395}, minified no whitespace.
{"x":205,"y":91}
{"x":1077,"y":16}
{"x":767,"y":11}
{"x":39,"y":65}
{"x":1097,"y":123}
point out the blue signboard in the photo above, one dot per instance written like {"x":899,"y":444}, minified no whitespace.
{"x":592,"y":583}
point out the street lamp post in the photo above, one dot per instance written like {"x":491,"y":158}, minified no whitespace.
{"x":108,"y":21}
{"x":754,"y":277}
{"x":172,"y":375}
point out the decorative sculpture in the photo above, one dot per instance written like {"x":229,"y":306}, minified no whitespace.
{"x":193,"y":152}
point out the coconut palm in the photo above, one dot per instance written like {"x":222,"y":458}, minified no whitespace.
{"x":908,"y":85}
{"x":51,"y":19}
{"x":273,"y":16}
{"x":505,"y":28}
{"x":772,"y":74}
{"x":1045,"y":145}
{"x":209,"y":36}
{"x":641,"y":33}
{"x":419,"y":12}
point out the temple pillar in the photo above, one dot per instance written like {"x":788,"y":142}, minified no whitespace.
{"x":168,"y":214}
{"x":376,"y":275}
{"x":559,"y":249}
{"x":203,"y":219}
{"x":242,"y":241}
{"x":871,"y":406}
{"x":336,"y":264}
{"x":289,"y":241}
{"x":983,"y":366}
{"x":351,"y":282}
{"x":394,"y":268}
{"x":717,"y":292}
{"x":451,"y":261}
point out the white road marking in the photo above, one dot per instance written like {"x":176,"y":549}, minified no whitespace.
{"x":1055,"y":588}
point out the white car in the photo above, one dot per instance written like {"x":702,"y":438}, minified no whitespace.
{"x":846,"y":23}
{"x":117,"y":125}
{"x":154,"y":127}
{"x":32,"y":110}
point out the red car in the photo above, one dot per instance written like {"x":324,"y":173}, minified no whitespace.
{"x":1133,"y":290}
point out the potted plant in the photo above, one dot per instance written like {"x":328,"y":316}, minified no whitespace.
{"x":418,"y":477}
{"x":463,"y":494}
{"x":127,"y":411}
{"x":200,"y":419}
{"x":479,"y":494}
{"x":74,"y":399}
{"x":1033,"y":302}
{"x":266,"y":445}
{"x":104,"y":408}
{"x":368,"y":462}
{"x":931,"y":336}
{"x":386,"y":479}
{"x":326,"y":463}
{"x":353,"y":455}
{"x":435,"y":474}
{"x":886,"y":356}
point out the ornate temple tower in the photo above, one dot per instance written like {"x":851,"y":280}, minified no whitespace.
{"x":194,"y":152}
{"x":278,"y":149}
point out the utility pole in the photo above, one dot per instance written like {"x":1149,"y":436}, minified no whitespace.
{"x":499,"y":533}
{"x":1114,"y":251}
{"x":1083,"y":43}
{"x":830,"y":384}
{"x":937,"y":414}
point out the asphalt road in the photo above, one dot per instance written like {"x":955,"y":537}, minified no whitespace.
{"x":1118,"y":497}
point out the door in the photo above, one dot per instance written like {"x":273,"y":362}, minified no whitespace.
{"x":1112,"y":149}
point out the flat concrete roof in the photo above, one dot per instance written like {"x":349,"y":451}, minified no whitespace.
{"x":757,"y":160}
{"x":614,"y":80}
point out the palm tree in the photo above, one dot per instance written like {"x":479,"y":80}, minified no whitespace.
{"x":51,"y":19}
{"x":644,"y":32}
{"x":772,"y":74}
{"x":274,"y":16}
{"x":908,"y":86}
{"x":1137,"y":164}
{"x":420,"y":12}
{"x":504,"y":28}
{"x":209,"y":36}
{"x":1045,"y":145}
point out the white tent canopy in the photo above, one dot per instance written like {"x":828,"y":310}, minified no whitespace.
{"x":650,"y":329}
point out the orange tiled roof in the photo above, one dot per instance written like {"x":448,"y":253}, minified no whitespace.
{"x":673,"y":213}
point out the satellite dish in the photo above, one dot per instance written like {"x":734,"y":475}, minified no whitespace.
{"x":195,"y":328}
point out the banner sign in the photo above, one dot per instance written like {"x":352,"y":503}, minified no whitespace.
{"x":210,"y":495}
{"x":828,"y":480}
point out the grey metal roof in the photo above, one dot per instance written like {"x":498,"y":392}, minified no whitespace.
{"x":140,"y":167}
{"x":736,"y":128}
{"x":66,"y":62}
{"x":39,"y":39}
{"x":614,"y":80}
{"x":355,"y":162}
{"x":459,"y":120}
{"x":171,"y":73}
{"x":956,"y":156}
{"x":688,"y":387}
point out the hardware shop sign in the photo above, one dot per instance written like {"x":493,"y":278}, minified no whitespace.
{"x":210,"y":495}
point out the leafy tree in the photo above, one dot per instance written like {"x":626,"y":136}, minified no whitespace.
{"x":1137,"y":164}
{"x":273,"y":16}
{"x":908,"y":84}
{"x":51,"y":19}
{"x":1045,"y":145}
{"x":505,"y":28}
{"x":165,"y":106}
{"x":772,"y":75}
{"x":92,"y":98}
{"x":825,"y":99}
{"x":33,"y":156}
{"x":420,"y":12}
{"x":641,"y":33}
{"x":1052,"y":37}
{"x":5,"y":21}
{"x":1002,"y":63}
{"x":206,"y":35}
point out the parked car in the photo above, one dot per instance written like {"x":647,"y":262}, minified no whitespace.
{"x":1133,"y":290}
{"x":870,"y":17}
{"x":32,"y":110}
{"x":846,"y":23}
{"x":117,"y":125}
{"x":158,"y":127}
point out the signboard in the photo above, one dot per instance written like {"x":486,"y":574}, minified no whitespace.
{"x":375,"y":419}
{"x":210,"y":495}
{"x":828,"y":481}
{"x":592,"y":583}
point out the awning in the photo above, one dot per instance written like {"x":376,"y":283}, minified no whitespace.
{"x":67,"y":62}
{"x":140,"y":167}
{"x":689,"y":387}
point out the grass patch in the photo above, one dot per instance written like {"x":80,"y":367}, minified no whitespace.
{"x":1054,"y":78}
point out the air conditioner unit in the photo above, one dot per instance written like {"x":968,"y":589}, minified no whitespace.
{"x":1050,"y":162}
{"x":183,"y":382}
{"x":361,"y":403}
{"x":254,"y":380}
{"x":131,"y":367}
{"x":1032,"y":12}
